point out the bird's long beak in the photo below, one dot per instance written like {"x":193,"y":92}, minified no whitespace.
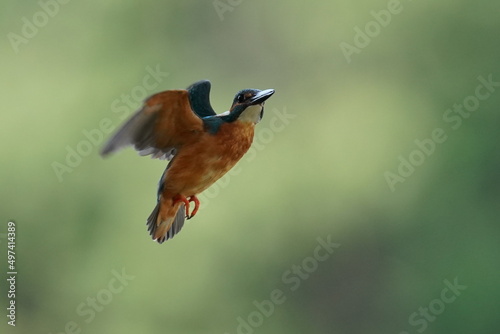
{"x":261,"y":96}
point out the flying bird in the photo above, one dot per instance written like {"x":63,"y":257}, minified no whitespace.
{"x":181,"y":126}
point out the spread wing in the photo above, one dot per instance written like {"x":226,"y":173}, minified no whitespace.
{"x":165,"y":122}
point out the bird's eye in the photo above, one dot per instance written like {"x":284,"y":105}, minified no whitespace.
{"x":241,"y":98}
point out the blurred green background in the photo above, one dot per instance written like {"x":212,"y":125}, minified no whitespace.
{"x":338,"y":123}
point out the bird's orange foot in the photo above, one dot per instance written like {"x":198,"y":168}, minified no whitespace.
{"x":183,"y":199}
{"x":196,"y":205}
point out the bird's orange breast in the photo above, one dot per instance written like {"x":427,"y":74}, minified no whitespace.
{"x":198,"y":165}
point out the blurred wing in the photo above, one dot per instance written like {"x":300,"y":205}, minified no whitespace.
{"x":164,"y":123}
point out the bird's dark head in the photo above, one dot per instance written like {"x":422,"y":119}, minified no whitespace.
{"x":248,"y":105}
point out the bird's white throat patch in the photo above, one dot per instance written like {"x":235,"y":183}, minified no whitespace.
{"x":251,"y":114}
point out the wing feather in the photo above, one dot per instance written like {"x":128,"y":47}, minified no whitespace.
{"x":160,"y":127}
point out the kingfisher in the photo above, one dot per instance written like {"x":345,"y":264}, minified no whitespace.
{"x":181,"y":126}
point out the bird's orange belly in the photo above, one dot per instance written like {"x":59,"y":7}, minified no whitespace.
{"x":197,"y":167}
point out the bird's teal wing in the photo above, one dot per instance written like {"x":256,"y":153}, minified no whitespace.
{"x":199,"y":97}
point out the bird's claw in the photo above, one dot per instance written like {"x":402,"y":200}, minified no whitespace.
{"x":183,"y":199}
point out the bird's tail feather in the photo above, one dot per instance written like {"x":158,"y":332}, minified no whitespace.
{"x":161,"y":230}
